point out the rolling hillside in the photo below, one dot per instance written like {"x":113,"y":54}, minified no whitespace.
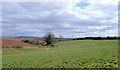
{"x":12,"y":41}
{"x":68,"y":54}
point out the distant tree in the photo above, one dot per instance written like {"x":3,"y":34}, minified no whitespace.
{"x":49,"y":38}
{"x":60,"y":38}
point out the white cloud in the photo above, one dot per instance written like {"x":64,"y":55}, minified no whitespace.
{"x":60,"y":18}
{"x":104,"y":21}
{"x":97,"y":27}
{"x":109,"y":30}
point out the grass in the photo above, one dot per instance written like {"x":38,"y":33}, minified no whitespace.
{"x":0,"y":58}
{"x":68,"y":54}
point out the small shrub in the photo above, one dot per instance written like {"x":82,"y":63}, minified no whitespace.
{"x":43,"y":43}
{"x":34,"y":42}
{"x":4,"y":47}
{"x":53,"y":45}
{"x":17,"y":47}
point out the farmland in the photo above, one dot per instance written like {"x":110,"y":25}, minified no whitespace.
{"x":68,"y":54}
{"x":12,"y":41}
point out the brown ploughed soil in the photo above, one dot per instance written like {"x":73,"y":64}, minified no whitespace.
{"x":12,"y":41}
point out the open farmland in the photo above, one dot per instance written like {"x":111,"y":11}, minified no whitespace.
{"x":12,"y":41}
{"x":68,"y":54}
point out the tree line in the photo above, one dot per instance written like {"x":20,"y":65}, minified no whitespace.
{"x":97,"y":38}
{"x":50,"y":39}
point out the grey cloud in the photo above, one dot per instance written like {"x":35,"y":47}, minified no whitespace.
{"x":40,"y":18}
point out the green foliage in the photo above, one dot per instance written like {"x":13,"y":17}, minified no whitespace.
{"x":16,"y":47}
{"x":34,"y":42}
{"x":70,"y":54}
{"x":43,"y":43}
{"x":49,"y":38}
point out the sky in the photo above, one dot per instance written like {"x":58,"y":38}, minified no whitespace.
{"x":82,"y":18}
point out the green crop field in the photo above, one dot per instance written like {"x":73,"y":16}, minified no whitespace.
{"x":68,"y":54}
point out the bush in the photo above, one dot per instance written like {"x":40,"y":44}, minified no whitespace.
{"x":53,"y":45}
{"x":16,"y":47}
{"x":34,"y":42}
{"x":43,"y":43}
{"x":5,"y":47}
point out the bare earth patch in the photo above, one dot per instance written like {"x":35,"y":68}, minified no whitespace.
{"x":11,"y":41}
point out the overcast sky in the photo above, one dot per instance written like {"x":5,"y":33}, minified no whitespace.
{"x":80,"y":19}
